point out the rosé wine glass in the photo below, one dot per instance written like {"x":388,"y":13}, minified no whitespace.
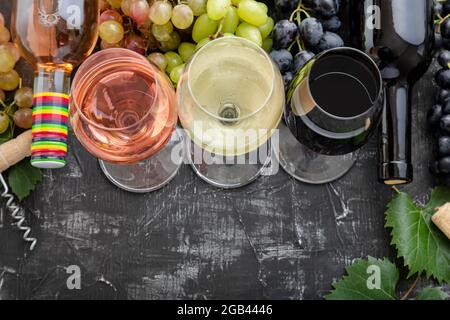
{"x":123,"y":112}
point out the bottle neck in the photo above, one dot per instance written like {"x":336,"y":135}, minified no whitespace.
{"x":54,"y":80}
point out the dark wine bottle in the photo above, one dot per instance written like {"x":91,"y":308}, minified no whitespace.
{"x":399,"y":36}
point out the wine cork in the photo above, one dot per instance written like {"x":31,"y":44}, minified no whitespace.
{"x":442,"y":219}
{"x":15,"y":150}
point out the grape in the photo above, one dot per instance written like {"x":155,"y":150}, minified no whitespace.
{"x":287,"y":78}
{"x":445,"y":123}
{"x":105,"y":45}
{"x":182,"y":16}
{"x":5,"y":36}
{"x":217,"y":9}
{"x":332,"y":24}
{"x":110,"y":14}
{"x":446,"y":107}
{"x":7,"y":59}
{"x":249,"y":32}
{"x":158,"y":59}
{"x":135,"y":43}
{"x":202,"y":43}
{"x":173,"y":60}
{"x":434,"y":167}
{"x":13,"y":49}
{"x":24,"y":97}
{"x":228,"y":34}
{"x":283,"y":8}
{"x":4,"y":122}
{"x":326,"y":8}
{"x":267,"y":44}
{"x":283,"y":58}
{"x":434,"y":115}
{"x":115,"y":3}
{"x":186,"y":50}
{"x":2,"y":20}
{"x":9,"y":80}
{"x":236,"y":2}
{"x":176,"y":73}
{"x":172,"y":43}
{"x":438,"y":9}
{"x":284,"y":33}
{"x":203,"y":28}
{"x":23,"y":118}
{"x":445,"y":28}
{"x":301,"y":58}
{"x":139,"y":11}
{"x":329,"y":40}
{"x":198,"y":6}
{"x":231,"y":20}
{"x":444,"y":58}
{"x":311,"y":31}
{"x":161,"y":12}
{"x":145,"y":29}
{"x":125,"y":6}
{"x":444,"y":146}
{"x":266,"y":28}
{"x":111,"y":31}
{"x":2,"y":95}
{"x":162,"y":32}
{"x":250,"y":11}
{"x":438,"y":42}
{"x":443,"y":95}
{"x":442,"y":78}
{"x":444,"y":165}
{"x":263,"y":6}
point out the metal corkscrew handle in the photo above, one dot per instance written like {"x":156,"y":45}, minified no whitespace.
{"x":17,"y":213}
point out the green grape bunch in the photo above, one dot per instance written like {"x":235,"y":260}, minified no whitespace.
{"x":169,"y":32}
{"x":16,"y":112}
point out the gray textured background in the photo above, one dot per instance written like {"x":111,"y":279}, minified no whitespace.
{"x":274,"y":239}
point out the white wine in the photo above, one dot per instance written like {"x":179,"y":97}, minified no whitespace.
{"x":231,"y":97}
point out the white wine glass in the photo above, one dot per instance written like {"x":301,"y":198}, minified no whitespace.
{"x":230,"y":99}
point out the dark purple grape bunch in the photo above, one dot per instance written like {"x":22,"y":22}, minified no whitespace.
{"x":304,"y":28}
{"x":439,"y":114}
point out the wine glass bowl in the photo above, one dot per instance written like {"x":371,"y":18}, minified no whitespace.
{"x":229,"y":85}
{"x":231,"y":99}
{"x":123,"y":112}
{"x":334,"y":105}
{"x":122,"y":107}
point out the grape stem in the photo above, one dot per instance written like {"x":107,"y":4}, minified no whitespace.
{"x":299,"y":43}
{"x":219,"y":30}
{"x":396,"y":189}
{"x":411,"y":288}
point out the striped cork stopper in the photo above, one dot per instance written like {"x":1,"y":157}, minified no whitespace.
{"x":50,"y":130}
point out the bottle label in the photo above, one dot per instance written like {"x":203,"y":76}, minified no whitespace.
{"x":50,"y":130}
{"x":72,"y":15}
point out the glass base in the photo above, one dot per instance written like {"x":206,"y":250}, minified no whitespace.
{"x":150,"y":174}
{"x":227,"y":172}
{"x":308,"y":166}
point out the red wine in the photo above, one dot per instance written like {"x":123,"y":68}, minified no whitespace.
{"x":334,"y":109}
{"x":399,"y":36}
{"x":328,"y":87}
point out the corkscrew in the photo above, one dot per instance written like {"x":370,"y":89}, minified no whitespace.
{"x":17,"y":213}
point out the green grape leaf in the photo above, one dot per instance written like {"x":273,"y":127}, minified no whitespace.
{"x":423,"y":247}
{"x":7,"y":135}
{"x":360,"y":282}
{"x":430,"y":293}
{"x":22,"y":178}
